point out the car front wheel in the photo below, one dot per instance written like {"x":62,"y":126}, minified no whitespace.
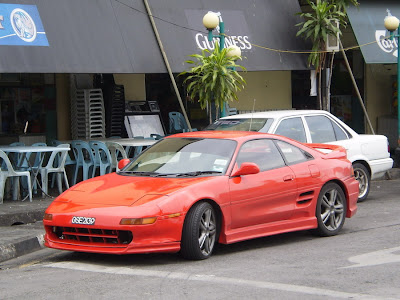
{"x":199,"y":233}
{"x":363,"y":177}
{"x":331,"y":210}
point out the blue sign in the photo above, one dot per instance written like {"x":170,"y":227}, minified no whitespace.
{"x":21,"y":25}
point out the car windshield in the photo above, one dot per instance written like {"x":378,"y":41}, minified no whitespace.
{"x":181,"y":157}
{"x":248,"y":124}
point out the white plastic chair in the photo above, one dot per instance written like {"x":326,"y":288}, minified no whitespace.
{"x":55,"y":165}
{"x":10,"y":172}
{"x":117,"y":152}
{"x":102,"y":158}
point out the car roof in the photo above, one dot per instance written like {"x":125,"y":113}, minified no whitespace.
{"x":276,"y":114}
{"x":225,"y":134}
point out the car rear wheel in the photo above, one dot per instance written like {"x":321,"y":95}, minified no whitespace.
{"x":363,"y":177}
{"x":199,"y":232}
{"x":331,"y":210}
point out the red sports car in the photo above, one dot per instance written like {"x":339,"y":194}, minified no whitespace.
{"x":191,"y":190}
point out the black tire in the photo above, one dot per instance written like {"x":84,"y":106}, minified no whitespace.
{"x":331,"y":210}
{"x":199,"y":234}
{"x":363,"y":177}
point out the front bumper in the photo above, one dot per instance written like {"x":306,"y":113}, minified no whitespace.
{"x":162,"y":236}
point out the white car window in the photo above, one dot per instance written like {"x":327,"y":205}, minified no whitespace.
{"x":292,"y":128}
{"x":321,"y":129}
{"x":339,"y":132}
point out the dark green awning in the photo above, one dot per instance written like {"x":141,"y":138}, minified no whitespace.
{"x":367,"y":23}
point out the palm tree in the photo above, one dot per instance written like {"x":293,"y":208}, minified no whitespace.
{"x":213,"y":78}
{"x":320,"y":23}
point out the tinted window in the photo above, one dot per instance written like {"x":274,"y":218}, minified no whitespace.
{"x":321,"y":129}
{"x":261,"y":152}
{"x":293,"y":154}
{"x":255,"y":124}
{"x":340,"y":134}
{"x":292,"y":128}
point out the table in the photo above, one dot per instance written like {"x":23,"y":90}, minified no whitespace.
{"x":124,"y":142}
{"x":24,"y":150}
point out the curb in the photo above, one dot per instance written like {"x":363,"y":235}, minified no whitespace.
{"x":21,"y":247}
{"x":21,"y":218}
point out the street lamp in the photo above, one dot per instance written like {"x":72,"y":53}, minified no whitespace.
{"x":392,"y":24}
{"x":211,"y":20}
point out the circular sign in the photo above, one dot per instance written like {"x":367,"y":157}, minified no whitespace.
{"x":23,"y":25}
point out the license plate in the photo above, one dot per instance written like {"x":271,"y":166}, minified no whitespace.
{"x":83,"y":220}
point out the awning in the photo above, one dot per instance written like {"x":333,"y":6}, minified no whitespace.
{"x":115,"y":36}
{"x":367,"y":22}
{"x":249,"y":24}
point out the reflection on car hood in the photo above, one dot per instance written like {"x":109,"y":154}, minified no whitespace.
{"x":117,"y":190}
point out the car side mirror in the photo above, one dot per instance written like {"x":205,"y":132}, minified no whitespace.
{"x":247,"y":168}
{"x":123,"y":162}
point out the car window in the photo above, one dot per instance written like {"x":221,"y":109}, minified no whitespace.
{"x":263,"y":153}
{"x":293,"y":155}
{"x":292,"y":128}
{"x":321,"y":129}
{"x":255,"y":124}
{"x":339,"y":132}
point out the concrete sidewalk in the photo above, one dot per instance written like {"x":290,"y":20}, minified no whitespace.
{"x":21,"y":227}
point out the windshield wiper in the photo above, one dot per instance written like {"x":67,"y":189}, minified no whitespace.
{"x":197,"y":173}
{"x":139,"y":173}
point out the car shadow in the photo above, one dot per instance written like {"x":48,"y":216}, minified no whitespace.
{"x":157,"y":259}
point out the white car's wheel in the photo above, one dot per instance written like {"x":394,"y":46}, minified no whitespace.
{"x":363,"y":177}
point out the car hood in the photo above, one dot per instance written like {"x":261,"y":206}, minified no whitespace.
{"x":119,"y":190}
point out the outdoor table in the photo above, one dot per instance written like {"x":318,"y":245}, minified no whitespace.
{"x":24,"y":150}
{"x":124,"y":142}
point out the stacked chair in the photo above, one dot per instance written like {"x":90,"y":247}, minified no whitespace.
{"x":114,"y":102}
{"x":87,"y":114}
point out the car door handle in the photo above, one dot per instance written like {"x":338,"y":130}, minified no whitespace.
{"x":288,"y":178}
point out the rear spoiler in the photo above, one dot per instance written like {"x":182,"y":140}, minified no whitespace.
{"x":336,"y":151}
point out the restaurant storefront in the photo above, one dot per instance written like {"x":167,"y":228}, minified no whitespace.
{"x":380,"y":57}
{"x":44,"y":43}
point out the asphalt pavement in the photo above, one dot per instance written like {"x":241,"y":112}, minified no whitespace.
{"x":21,"y":226}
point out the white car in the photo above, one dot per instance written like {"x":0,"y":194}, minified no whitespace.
{"x":369,"y":154}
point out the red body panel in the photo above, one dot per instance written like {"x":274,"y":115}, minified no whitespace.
{"x":266,"y":203}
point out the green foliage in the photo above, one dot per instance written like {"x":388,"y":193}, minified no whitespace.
{"x":213,"y":77}
{"x":319,"y":24}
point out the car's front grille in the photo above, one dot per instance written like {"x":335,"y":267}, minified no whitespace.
{"x":86,"y":236}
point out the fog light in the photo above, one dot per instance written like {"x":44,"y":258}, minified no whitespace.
{"x":137,"y":221}
{"x":48,"y":217}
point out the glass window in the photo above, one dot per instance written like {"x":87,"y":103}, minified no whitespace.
{"x":181,"y":155}
{"x":293,"y":154}
{"x":263,"y":153}
{"x":292,"y":128}
{"x":256,"y":124}
{"x":340,"y":134}
{"x":321,"y":129}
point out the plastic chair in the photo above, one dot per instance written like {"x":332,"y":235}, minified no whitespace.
{"x":102,"y":157}
{"x":56,"y":165}
{"x":177,"y":122}
{"x":84,"y":159}
{"x":68,"y":162}
{"x":117,"y":152}
{"x":9,"y":171}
